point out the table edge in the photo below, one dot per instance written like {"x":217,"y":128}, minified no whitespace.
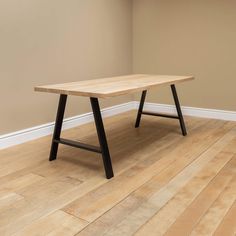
{"x":107,"y":95}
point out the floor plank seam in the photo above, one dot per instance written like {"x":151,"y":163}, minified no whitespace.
{"x":80,"y":218}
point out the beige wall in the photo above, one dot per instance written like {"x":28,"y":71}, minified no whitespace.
{"x":188,"y":37}
{"x":53,"y":41}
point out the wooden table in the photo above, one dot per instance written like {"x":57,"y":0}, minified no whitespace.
{"x":105,"y":88}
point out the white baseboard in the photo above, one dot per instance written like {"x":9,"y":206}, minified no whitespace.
{"x":190,"y":111}
{"x":25,"y":135}
{"x":33,"y":133}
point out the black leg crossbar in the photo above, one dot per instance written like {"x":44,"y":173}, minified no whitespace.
{"x":103,"y":149}
{"x":178,"y":108}
{"x":159,"y":114}
{"x":79,"y":145}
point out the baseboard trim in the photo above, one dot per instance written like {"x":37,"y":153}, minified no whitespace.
{"x":190,"y":111}
{"x":36,"y":132}
{"x":33,"y":133}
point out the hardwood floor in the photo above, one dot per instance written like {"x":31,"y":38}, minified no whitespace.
{"x":164,"y":184}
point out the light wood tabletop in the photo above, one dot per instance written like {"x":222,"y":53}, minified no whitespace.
{"x":113,"y":86}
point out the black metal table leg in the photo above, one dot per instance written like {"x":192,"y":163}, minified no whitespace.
{"x":178,"y":108}
{"x":140,"y":110}
{"x":102,"y":137}
{"x":58,"y":126}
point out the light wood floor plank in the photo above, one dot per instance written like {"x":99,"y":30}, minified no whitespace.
{"x":7,"y":198}
{"x":58,"y":223}
{"x":41,"y":201}
{"x":187,"y":220}
{"x":21,"y":182}
{"x":227,"y":225}
{"x":211,"y":220}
